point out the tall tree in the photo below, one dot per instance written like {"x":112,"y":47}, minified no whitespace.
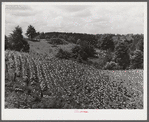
{"x":121,"y":55}
{"x":17,"y":42}
{"x":140,"y":45}
{"x":42,"y":35}
{"x":107,"y":43}
{"x":7,"y":45}
{"x":31,"y":32}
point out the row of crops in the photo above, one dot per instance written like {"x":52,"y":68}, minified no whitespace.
{"x":43,"y":82}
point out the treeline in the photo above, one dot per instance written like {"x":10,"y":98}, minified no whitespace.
{"x":96,"y":40}
{"x":121,"y":51}
{"x":117,"y":57}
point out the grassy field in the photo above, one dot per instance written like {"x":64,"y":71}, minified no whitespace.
{"x":43,"y":47}
{"x":39,"y":81}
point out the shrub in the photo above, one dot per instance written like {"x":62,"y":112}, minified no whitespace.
{"x":63,"y":54}
{"x":62,"y":36}
{"x":90,"y":51}
{"x":108,"y":56}
{"x":111,"y":66}
{"x":137,"y":60}
{"x":47,"y":37}
{"x":71,"y":39}
{"x":57,"y":41}
{"x":104,"y":59}
{"x":78,"y":41}
{"x":77,"y":51}
{"x":84,"y":50}
{"x":42,"y":35}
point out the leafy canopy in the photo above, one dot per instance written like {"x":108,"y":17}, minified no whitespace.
{"x":16,"y":41}
{"x":31,"y":32}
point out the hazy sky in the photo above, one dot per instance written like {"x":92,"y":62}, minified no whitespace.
{"x":121,"y":18}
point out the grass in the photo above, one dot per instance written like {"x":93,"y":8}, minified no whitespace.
{"x":43,"y":47}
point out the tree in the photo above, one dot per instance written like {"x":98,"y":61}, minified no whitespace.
{"x":78,"y":41}
{"x":83,"y":50}
{"x":62,"y":36}
{"x":137,"y":60}
{"x":140,"y":45}
{"x":107,"y":43}
{"x":71,"y":39}
{"x":17,"y":42}
{"x":78,"y":52}
{"x":121,"y":55}
{"x":42,"y":35}
{"x":47,"y":37}
{"x":57,"y":41}
{"x":31,"y":32}
{"x":7,"y":45}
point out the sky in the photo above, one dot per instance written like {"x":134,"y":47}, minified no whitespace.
{"x":97,"y":18}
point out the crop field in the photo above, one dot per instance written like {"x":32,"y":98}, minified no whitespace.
{"x":43,"y":82}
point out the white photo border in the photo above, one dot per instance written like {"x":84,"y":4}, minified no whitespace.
{"x":73,"y":114}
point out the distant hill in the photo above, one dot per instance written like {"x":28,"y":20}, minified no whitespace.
{"x":66,"y":41}
{"x":94,"y":39}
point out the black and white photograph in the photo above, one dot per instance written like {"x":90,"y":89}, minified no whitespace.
{"x":77,"y":57}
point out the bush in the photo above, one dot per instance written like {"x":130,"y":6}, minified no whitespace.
{"x":42,"y":35}
{"x":108,"y":56}
{"x":57,"y":41}
{"x":103,"y":60}
{"x":71,"y":39}
{"x":77,"y":51}
{"x":84,"y":50}
{"x":47,"y":37}
{"x":62,"y":36}
{"x":63,"y":54}
{"x":137,"y":60}
{"x":111,"y":66}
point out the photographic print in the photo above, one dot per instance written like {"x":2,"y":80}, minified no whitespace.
{"x":75,"y":56}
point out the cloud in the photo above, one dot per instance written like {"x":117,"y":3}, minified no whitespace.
{"x":73,"y":8}
{"x":24,"y":14}
{"x":17,"y":7}
{"x":83,"y":13}
{"x":102,"y":18}
{"x":20,"y":10}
